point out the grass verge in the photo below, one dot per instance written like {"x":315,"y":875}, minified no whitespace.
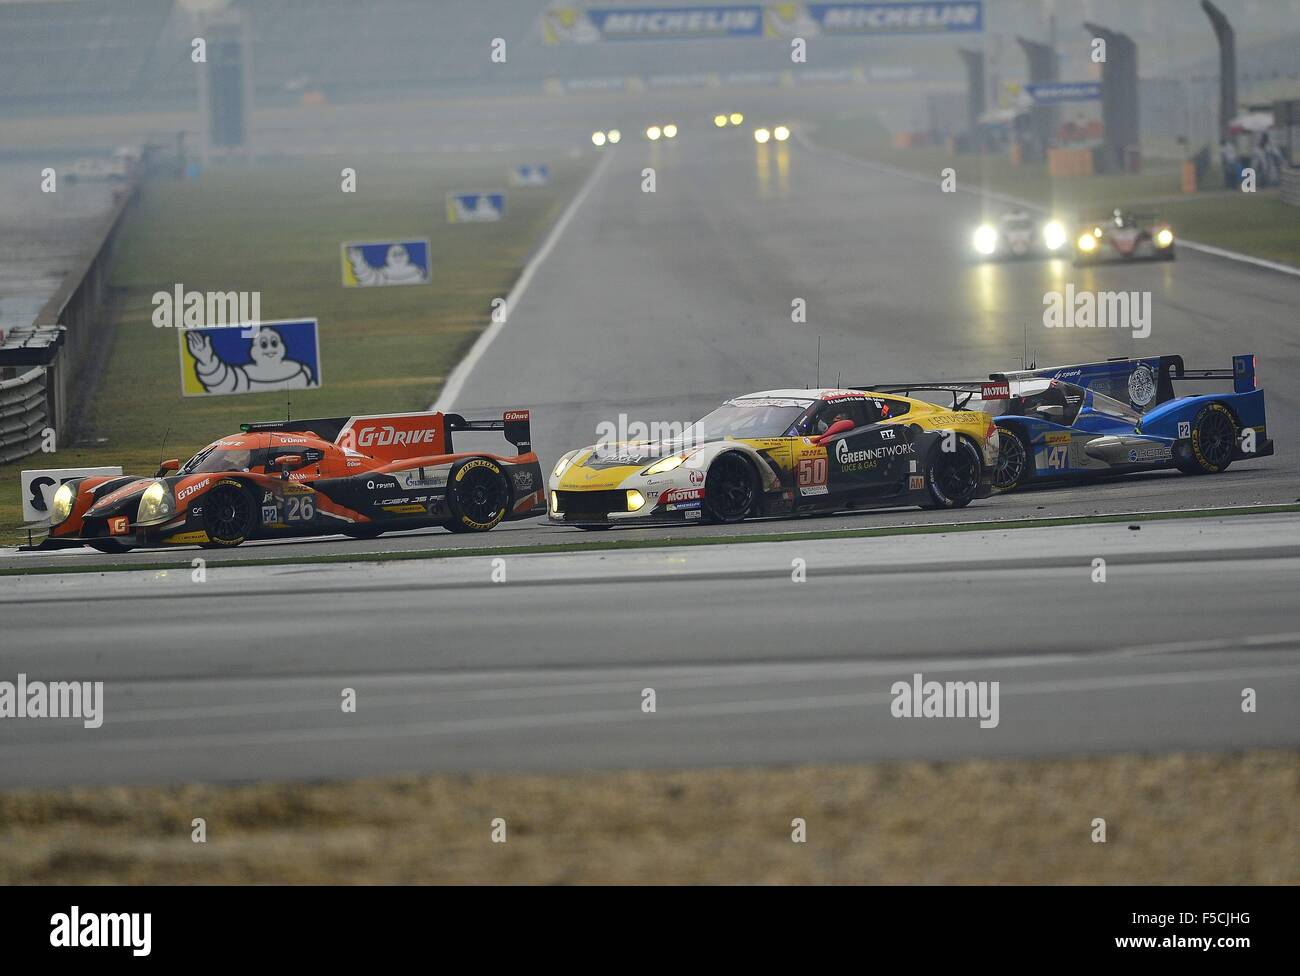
{"x":667,"y":541}
{"x":1259,"y":224}
{"x":1180,"y":819}
{"x":276,"y":227}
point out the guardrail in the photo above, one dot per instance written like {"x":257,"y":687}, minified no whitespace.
{"x":77,"y":305}
{"x":23,"y":414}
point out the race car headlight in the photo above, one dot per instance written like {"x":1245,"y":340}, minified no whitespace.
{"x":665,"y":464}
{"x":781,"y":133}
{"x":1053,"y":234}
{"x":1087,"y":242}
{"x":614,"y":136}
{"x":635,"y":500}
{"x":986,"y":239}
{"x":61,"y":506}
{"x":155,"y":503}
{"x":555,"y":503}
{"x":762,"y":135}
{"x":562,"y":465}
{"x":1164,"y":237}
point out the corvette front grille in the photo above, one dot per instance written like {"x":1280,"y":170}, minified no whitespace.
{"x":577,"y":504}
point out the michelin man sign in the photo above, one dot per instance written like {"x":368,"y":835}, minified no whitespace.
{"x":376,"y":263}
{"x":264,"y":358}
{"x":474,"y":208}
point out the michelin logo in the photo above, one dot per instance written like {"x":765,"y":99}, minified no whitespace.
{"x":386,"y":263}
{"x":475,"y":208}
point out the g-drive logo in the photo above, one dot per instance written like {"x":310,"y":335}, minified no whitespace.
{"x":74,"y":930}
{"x":386,"y":435}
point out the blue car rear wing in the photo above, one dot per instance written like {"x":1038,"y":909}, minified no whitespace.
{"x":1142,"y":383}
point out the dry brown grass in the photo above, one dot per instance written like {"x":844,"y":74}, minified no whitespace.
{"x":1175,"y":819}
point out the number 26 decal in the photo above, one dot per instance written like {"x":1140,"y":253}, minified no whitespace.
{"x":299,"y":508}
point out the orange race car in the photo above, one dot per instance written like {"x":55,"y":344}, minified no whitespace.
{"x":356,"y":475}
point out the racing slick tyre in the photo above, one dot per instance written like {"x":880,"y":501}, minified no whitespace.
{"x":953,"y":477}
{"x":1013,"y":460}
{"x":363,"y":532}
{"x":110,"y":546}
{"x":477,"y":495}
{"x":1213,"y":442}
{"x":229,"y":514}
{"x":730,"y":489}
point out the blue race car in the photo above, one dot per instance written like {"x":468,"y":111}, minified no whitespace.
{"x":1115,"y":417}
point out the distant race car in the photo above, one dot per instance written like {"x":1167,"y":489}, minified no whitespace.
{"x":782,"y":452}
{"x":1124,"y":236}
{"x":1017,"y":234}
{"x":359,"y":476}
{"x":1116,"y":417}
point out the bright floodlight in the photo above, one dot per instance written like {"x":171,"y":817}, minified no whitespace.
{"x":598,"y":138}
{"x":986,"y":239}
{"x":737,"y":118}
{"x":781,"y":133}
{"x":653,"y":133}
{"x":761,"y":136}
{"x":670,"y":131}
{"x":614,"y":136}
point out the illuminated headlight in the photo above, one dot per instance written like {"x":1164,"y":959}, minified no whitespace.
{"x":155,"y":504}
{"x":665,"y":464}
{"x":986,"y":239}
{"x":761,"y":136}
{"x":653,"y":133}
{"x":614,"y":136}
{"x":1164,"y":237}
{"x":61,"y":506}
{"x":598,"y":138}
{"x":670,"y":131}
{"x":1087,"y":243}
{"x":562,"y":465}
{"x":737,"y":118}
{"x":720,"y":121}
{"x":781,"y":133}
{"x":1053,"y":234}
{"x":635,"y":500}
{"x":555,"y":503}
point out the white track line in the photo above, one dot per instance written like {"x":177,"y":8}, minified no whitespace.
{"x":1210,"y":249}
{"x":451,"y":389}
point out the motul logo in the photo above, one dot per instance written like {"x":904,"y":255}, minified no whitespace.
{"x":387,"y":436}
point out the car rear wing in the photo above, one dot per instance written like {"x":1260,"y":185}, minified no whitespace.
{"x":515,"y":424}
{"x":394,"y":436}
{"x":962,"y":391}
{"x":1142,"y":383}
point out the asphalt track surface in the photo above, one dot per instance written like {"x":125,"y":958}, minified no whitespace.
{"x":241,"y":676}
{"x":656,"y":306}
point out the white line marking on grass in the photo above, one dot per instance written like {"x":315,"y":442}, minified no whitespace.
{"x":451,"y":389}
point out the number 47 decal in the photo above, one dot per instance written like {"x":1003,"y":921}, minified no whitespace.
{"x":1058,"y":456}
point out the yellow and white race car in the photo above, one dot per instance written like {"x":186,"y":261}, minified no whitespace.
{"x":782,"y":452}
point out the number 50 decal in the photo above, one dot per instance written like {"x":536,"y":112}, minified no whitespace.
{"x":299,"y":508}
{"x":812,"y":472}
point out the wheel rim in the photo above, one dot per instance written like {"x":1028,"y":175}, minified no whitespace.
{"x":480,"y":495}
{"x":959,"y":477}
{"x":1011,"y":461}
{"x":1217,"y":439}
{"x":227,"y":513}
{"x":730,"y":488}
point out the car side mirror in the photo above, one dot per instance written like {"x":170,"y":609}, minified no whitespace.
{"x":837,"y":428}
{"x":1052,"y":411}
{"x":168,"y":466}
